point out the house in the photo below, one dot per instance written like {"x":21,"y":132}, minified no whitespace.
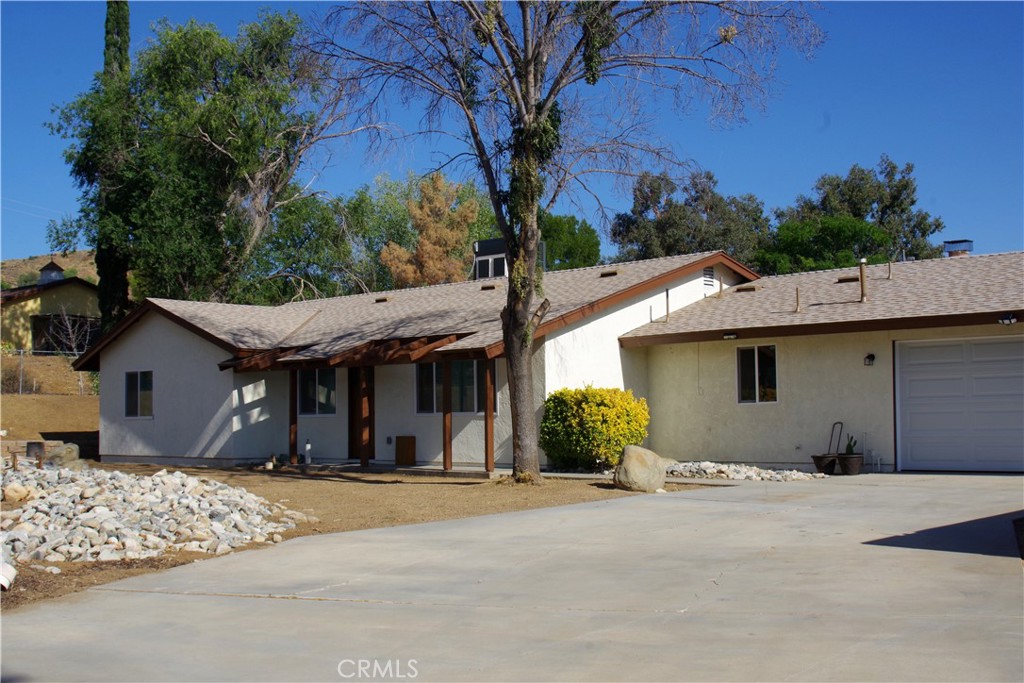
{"x":352,"y":376}
{"x":923,"y":362}
{"x":55,"y":314}
{"x":919,"y":360}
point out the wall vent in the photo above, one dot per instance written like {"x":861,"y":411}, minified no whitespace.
{"x":709,"y":277}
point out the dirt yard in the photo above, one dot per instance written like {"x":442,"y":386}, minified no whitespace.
{"x":342,"y":501}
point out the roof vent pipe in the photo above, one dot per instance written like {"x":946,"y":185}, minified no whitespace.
{"x":863,"y":280}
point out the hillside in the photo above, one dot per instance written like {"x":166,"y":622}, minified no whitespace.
{"x":82,"y":262}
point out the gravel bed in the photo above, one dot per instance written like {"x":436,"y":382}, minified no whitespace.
{"x":101,"y":515}
{"x":717,"y":470}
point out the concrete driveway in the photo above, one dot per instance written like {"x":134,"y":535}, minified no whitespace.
{"x":877,"y":577}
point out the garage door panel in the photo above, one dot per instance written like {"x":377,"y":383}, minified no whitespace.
{"x":961,"y":405}
{"x":946,"y":421}
{"x":997,"y":385}
{"x":998,"y":351}
{"x":933,"y":354}
{"x":936,"y":387}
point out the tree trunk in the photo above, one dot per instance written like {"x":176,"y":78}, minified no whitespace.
{"x":519,"y":327}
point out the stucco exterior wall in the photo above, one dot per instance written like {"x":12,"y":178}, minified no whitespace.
{"x":75,"y":298}
{"x":695,"y":414}
{"x":195,"y":406}
{"x":396,"y":416}
{"x":17,"y":322}
{"x":588,"y":351}
{"x":260,"y":414}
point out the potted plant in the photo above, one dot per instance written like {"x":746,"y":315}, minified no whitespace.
{"x":851,"y":461}
{"x":825,"y":464}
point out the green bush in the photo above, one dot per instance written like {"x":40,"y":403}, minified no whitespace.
{"x":588,"y":428}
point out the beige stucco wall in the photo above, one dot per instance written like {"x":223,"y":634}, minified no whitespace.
{"x":16,"y":318}
{"x":821,"y":379}
{"x":588,"y":352}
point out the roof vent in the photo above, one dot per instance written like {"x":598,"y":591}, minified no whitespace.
{"x":955,"y":248}
{"x":382,"y":299}
{"x":746,"y":288}
{"x":487,"y":288}
{"x":609,"y":273}
{"x":848,"y":278}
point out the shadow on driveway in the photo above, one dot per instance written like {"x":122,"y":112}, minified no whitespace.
{"x":994,"y":535}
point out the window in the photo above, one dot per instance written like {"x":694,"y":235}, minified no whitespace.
{"x":755,"y":367}
{"x":317,"y":394}
{"x":467,"y":387}
{"x":490,"y":266}
{"x":138,"y":394}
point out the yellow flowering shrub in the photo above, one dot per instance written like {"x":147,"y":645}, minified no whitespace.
{"x":588,"y":428}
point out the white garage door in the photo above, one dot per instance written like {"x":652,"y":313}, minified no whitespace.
{"x":961,"y":405}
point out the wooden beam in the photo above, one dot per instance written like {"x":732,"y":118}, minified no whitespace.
{"x":446,"y":420}
{"x":488,"y":415}
{"x":418,"y":353}
{"x":293,"y":416}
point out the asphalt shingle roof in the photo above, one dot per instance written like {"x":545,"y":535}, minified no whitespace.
{"x":327,"y":327}
{"x":917,"y":291}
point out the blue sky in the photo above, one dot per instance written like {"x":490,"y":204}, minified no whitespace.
{"x":939,"y":85}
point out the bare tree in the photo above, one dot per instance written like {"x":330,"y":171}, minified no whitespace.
{"x":70,"y":333}
{"x":541,"y":94}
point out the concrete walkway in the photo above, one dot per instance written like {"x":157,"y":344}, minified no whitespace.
{"x":877,"y":577}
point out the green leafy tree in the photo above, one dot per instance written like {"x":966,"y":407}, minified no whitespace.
{"x":219,"y":128}
{"x":525,"y":89}
{"x":304,"y":255}
{"x":701,"y":219}
{"x":570,"y":242}
{"x":821,"y":244}
{"x":885,"y":196}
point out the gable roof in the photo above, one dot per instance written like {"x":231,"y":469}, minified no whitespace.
{"x":29,"y":291}
{"x":930,"y":293}
{"x":461,"y":318}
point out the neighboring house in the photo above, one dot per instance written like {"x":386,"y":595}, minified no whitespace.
{"x":57,"y":314}
{"x":185,"y":381}
{"x":924,"y":366}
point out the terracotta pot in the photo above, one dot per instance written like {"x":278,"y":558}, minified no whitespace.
{"x":825,"y":464}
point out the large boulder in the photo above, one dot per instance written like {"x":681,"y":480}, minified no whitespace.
{"x":65,"y":456}
{"x":640,"y":470}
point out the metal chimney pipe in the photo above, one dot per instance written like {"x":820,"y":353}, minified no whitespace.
{"x":863,"y":280}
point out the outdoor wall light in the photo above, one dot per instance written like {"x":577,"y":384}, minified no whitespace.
{"x":729,"y":335}
{"x":1008,"y":319}
{"x":869,"y":359}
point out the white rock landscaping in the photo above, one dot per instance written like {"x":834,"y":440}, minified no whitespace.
{"x":100,"y":515}
{"x":717,"y":470}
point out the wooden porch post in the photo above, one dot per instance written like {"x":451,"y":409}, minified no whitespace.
{"x":488,"y":415}
{"x":361,"y":416}
{"x":293,"y":416}
{"x":446,"y":401}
